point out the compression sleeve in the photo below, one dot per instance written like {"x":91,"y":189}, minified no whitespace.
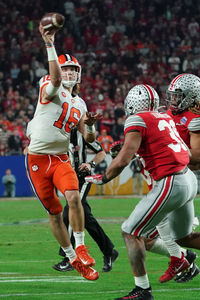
{"x":51,"y":90}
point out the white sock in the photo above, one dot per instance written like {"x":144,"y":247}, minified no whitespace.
{"x":142,"y":281}
{"x":184,"y":251}
{"x":164,"y":232}
{"x":70,"y":253}
{"x":79,"y":238}
{"x":160,"y":248}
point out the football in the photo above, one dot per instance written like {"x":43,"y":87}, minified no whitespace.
{"x":52,"y":20}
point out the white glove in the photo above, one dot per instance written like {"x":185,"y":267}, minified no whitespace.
{"x":96,"y":179}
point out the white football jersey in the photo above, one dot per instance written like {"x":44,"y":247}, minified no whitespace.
{"x":49,"y":130}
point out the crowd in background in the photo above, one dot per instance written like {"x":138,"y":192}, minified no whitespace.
{"x":118,"y":44}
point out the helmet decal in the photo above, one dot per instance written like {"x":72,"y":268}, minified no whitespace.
{"x":141,"y":97}
{"x":174,"y":81}
{"x":66,"y":58}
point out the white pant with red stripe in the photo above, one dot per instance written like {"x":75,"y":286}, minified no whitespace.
{"x":171,"y":198}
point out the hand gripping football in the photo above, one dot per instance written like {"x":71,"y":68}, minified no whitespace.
{"x":52,"y":20}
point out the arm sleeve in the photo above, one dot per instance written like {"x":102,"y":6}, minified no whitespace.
{"x":194,"y":125}
{"x":4,"y":180}
{"x":135,"y":123}
{"x":51,"y":90}
{"x":95,"y":146}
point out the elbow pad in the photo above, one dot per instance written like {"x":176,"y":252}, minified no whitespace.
{"x":52,"y":90}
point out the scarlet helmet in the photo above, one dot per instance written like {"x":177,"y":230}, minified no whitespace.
{"x":183,"y":92}
{"x":141,"y":97}
{"x":66,"y":60}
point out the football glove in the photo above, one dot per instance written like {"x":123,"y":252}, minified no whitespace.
{"x":83,"y":174}
{"x":115,"y":148}
{"x":96,"y":179}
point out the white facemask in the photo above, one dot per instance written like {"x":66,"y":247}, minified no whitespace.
{"x":69,"y":78}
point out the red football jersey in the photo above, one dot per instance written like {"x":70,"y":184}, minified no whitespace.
{"x":186,"y":122}
{"x":161,"y":148}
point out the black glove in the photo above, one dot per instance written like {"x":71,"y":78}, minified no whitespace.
{"x":115,"y":148}
{"x":83,"y":174}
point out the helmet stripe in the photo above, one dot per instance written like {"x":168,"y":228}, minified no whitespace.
{"x":68,"y":57}
{"x":175,"y":79}
{"x":149,"y":89}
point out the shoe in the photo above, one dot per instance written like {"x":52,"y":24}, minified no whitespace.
{"x":187,"y":275}
{"x":176,"y":266}
{"x":190,"y":256}
{"x":138,"y":294}
{"x":109,"y":260}
{"x":84,"y":257}
{"x":63,"y":266}
{"x":87,"y":272}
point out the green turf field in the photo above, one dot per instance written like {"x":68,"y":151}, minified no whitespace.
{"x":28,"y":250}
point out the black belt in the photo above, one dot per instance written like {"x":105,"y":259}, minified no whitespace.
{"x":180,"y":172}
{"x":176,"y":173}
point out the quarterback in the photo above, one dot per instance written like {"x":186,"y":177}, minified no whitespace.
{"x":58,"y":110}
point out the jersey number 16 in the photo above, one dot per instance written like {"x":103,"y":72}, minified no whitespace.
{"x":71,"y":122}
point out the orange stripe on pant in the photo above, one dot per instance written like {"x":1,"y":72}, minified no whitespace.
{"x":46,"y":172}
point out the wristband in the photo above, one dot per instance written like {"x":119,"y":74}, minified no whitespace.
{"x":51,"y":53}
{"x":90,"y":129}
{"x":105,"y":179}
{"x":49,"y":45}
{"x":92,"y":164}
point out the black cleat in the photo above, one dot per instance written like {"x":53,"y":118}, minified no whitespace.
{"x":190,"y":272}
{"x":109,"y":260}
{"x":63,"y":266}
{"x":138,"y":294}
{"x":188,"y":275}
{"x":190,"y":256}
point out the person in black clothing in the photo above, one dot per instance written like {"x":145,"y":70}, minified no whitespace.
{"x":136,"y":168}
{"x":77,"y":155}
{"x":14,"y":144}
{"x":100,"y":169}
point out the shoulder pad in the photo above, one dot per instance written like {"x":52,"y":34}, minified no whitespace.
{"x":44,"y":79}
